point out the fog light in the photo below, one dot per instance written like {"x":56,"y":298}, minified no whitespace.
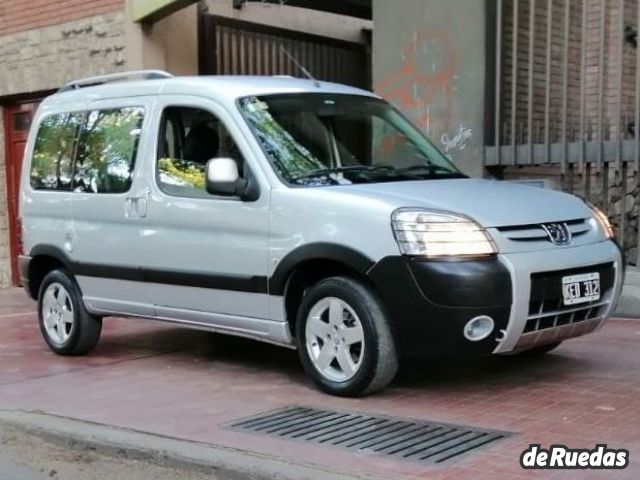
{"x":478,"y":328}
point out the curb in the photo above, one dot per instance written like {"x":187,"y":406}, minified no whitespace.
{"x":629,"y":303}
{"x":227,"y":462}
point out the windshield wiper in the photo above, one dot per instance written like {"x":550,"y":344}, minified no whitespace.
{"x":326,"y":172}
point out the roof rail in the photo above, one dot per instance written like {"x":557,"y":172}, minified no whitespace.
{"x":115,"y":77}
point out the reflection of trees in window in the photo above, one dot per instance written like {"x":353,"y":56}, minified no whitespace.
{"x":108,"y":145}
{"x":181,"y":173}
{"x":51,"y":166}
{"x":289,"y":156}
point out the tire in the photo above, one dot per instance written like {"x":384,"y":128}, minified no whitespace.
{"x":373,"y":360}
{"x":541,"y":350}
{"x":67,"y":327}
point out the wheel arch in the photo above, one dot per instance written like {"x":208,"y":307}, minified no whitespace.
{"x":44,"y":259}
{"x":307,"y":265}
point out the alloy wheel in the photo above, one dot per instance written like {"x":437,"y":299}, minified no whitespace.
{"x":335,"y":339}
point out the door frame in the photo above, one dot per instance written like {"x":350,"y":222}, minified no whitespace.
{"x":12,"y":177}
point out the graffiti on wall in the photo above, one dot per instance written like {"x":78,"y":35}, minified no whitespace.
{"x":423,"y":88}
{"x":456,"y":142}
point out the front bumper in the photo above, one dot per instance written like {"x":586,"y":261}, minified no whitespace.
{"x":430,"y":302}
{"x":518,"y":335}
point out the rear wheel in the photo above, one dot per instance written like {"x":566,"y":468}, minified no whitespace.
{"x":344,"y":340}
{"x":65,"y":324}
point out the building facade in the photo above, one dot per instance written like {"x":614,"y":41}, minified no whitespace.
{"x":47,"y":43}
{"x":517,"y":89}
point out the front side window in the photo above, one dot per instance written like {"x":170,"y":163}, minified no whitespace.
{"x":189,"y":138}
{"x":107,"y":150}
{"x":54,"y":150}
{"x":315,"y":139}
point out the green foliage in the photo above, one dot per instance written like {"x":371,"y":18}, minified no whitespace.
{"x":105,"y":152}
{"x":182,"y":172}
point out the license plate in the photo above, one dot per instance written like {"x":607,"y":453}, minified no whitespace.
{"x":582,"y":288}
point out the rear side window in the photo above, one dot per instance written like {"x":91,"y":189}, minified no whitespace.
{"x":54,"y":150}
{"x":107,"y":150}
{"x":90,"y":152}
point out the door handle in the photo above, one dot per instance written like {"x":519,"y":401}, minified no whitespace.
{"x":137,"y":207}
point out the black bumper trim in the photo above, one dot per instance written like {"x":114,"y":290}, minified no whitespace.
{"x":430,"y":309}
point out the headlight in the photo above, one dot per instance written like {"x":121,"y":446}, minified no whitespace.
{"x":439,"y":234}
{"x":603,"y":221}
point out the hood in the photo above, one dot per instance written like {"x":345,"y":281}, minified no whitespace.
{"x":492,"y":203}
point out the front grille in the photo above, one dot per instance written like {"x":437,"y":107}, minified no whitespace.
{"x":403,"y":439}
{"x":549,"y":320}
{"x":535,"y":232}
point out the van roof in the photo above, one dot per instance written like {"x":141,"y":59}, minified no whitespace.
{"x":222,"y":88}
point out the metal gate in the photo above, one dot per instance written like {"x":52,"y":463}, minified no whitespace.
{"x":233,"y":47}
{"x":567,"y":94}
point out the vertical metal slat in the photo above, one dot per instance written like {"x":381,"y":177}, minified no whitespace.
{"x":532,"y":36}
{"x":621,"y":164}
{"x":498,"y":79}
{"x":514,"y":82}
{"x":637,"y":133}
{"x":583,"y":100}
{"x":604,"y":165}
{"x":547,"y":95}
{"x":565,"y":85}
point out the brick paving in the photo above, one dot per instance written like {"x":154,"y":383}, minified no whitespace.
{"x":189,"y":384}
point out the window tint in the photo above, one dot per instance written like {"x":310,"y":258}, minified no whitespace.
{"x":51,"y":167}
{"x":107,"y":150}
{"x":189,"y":138}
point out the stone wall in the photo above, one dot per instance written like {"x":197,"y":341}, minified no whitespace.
{"x":45,"y":58}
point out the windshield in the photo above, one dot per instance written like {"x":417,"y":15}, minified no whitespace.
{"x":315,"y":139}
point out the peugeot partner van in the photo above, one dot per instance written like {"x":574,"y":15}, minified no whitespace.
{"x":306,"y":214}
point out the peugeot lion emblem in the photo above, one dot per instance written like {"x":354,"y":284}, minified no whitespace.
{"x":558,"y":233}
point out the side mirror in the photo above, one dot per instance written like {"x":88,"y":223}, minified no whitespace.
{"x":222,"y":178}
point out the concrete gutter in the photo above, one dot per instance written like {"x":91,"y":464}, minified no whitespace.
{"x":227,"y":462}
{"x":629,"y":305}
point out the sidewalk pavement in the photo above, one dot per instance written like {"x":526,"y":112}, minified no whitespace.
{"x":629,"y":305}
{"x":188,"y":385}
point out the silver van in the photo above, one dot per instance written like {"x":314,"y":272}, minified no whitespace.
{"x":302,"y":213}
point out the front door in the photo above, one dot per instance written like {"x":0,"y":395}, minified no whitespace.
{"x":206,"y":256}
{"x":17,"y":120}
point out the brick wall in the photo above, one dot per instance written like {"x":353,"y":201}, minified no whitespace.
{"x":21,"y":15}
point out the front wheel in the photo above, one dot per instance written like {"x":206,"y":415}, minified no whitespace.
{"x":344,"y":339}
{"x":65,"y":324}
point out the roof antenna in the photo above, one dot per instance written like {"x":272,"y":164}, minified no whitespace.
{"x":300,"y":66}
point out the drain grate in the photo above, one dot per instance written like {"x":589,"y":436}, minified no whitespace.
{"x":422,"y":441}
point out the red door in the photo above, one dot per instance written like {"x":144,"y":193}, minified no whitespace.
{"x":17,"y":119}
